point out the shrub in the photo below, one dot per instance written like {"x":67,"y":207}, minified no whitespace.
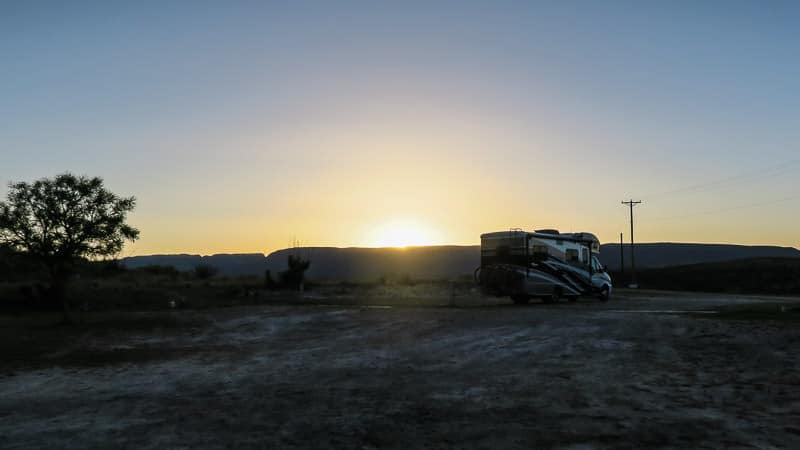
{"x":205,"y":271}
{"x":293,"y":277}
{"x":160,"y":270}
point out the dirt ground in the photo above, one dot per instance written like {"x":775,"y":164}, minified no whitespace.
{"x":635,"y":372}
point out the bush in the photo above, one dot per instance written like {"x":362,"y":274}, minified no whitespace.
{"x":15,"y":266}
{"x":205,"y":271}
{"x":406,"y":280}
{"x":294,"y":276}
{"x":160,"y":270}
{"x":269,"y":283}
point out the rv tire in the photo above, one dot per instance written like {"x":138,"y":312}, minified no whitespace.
{"x":604,"y":294}
{"x":520,"y":299}
{"x":554,"y":297}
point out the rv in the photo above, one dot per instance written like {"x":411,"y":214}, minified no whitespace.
{"x":544,"y":264}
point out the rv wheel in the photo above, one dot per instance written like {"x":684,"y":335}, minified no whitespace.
{"x":555,"y":296}
{"x":604,"y":294}
{"x":520,"y":299}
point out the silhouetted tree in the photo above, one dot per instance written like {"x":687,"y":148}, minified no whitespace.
{"x":294,"y":275}
{"x":60,"y":220}
{"x":205,"y":271}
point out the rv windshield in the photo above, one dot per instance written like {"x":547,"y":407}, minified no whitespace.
{"x":596,"y":266}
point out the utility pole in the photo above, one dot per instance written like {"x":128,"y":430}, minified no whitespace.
{"x":631,"y":204}
{"x":621,"y":257}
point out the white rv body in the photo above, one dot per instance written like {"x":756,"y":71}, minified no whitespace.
{"x":543,"y":263}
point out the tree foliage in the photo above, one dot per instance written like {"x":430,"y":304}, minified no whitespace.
{"x":62,"y":219}
{"x":65,"y":217}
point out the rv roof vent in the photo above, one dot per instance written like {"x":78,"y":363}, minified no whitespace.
{"x":547,"y":231}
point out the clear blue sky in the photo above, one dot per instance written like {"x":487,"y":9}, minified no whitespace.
{"x":239,"y":125}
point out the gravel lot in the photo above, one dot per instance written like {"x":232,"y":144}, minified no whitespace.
{"x":635,"y":372}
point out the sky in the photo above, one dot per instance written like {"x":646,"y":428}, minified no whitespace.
{"x":244,"y":126}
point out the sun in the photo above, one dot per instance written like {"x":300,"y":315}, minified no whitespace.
{"x":402,"y":233}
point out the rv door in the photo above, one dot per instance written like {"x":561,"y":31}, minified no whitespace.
{"x":585,"y":256}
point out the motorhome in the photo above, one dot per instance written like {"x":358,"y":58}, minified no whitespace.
{"x":544,"y":264}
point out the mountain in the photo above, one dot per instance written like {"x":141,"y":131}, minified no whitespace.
{"x":332,"y":263}
{"x":436,"y":262}
{"x":774,"y":276}
{"x":228,"y":264}
{"x":369,"y":264}
{"x":666,"y":254}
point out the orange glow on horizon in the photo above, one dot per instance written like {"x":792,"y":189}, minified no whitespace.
{"x":402,"y":233}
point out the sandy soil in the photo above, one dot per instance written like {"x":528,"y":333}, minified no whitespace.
{"x":631,"y":373}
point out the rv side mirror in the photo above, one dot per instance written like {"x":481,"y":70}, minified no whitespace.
{"x":604,"y":268}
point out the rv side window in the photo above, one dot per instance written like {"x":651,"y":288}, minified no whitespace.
{"x":584,"y":255}
{"x":539,"y":251}
{"x":571,"y":255}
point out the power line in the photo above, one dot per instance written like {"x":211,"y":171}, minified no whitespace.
{"x":721,"y":210}
{"x":745,"y":177}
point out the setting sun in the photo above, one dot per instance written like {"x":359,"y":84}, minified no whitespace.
{"x":402,"y":233}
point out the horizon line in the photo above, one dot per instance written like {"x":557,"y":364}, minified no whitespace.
{"x":411,"y":247}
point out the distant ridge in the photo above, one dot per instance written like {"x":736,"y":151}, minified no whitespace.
{"x":369,"y":264}
{"x":446,"y":261}
{"x":772,"y":276}
{"x":228,"y":263}
{"x":667,"y":254}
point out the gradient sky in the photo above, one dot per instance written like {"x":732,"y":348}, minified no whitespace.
{"x":242,"y":125}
